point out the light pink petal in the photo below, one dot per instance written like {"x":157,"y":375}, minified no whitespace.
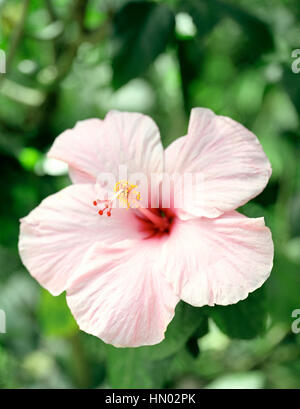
{"x":56,"y":235}
{"x":120,"y":296}
{"x":218,"y":261}
{"x":96,"y":146}
{"x":80,"y":149}
{"x":231,"y":165}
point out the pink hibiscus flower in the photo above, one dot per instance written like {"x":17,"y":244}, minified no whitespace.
{"x":124,"y":274}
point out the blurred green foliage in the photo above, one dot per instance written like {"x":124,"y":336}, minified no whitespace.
{"x":70,"y":60}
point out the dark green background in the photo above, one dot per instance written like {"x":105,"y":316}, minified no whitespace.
{"x":71,"y":60}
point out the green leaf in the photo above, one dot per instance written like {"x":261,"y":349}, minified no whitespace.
{"x":54,"y":316}
{"x":130,"y":368}
{"x":208,"y":13}
{"x":186,"y":322}
{"x":142,"y":32}
{"x":283,"y":288}
{"x":260,"y":39}
{"x":190,"y":58}
{"x":192,"y":345}
{"x":291,"y":86}
{"x":9,"y":262}
{"x":244,"y":320}
{"x":148,"y":367}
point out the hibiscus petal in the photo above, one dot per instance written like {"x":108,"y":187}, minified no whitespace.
{"x":120,"y":296}
{"x":80,"y":149}
{"x":55,"y":236}
{"x":218,"y":261}
{"x":96,"y":146}
{"x":229,"y":160}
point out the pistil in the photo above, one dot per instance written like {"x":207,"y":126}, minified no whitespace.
{"x":159,"y":221}
{"x":126,"y":194}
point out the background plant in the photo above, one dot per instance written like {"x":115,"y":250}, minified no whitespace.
{"x":68,"y":60}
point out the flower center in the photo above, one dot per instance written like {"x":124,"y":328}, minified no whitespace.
{"x":124,"y":192}
{"x":129,"y":197}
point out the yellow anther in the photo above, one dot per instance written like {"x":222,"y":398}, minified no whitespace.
{"x":126,"y":193}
